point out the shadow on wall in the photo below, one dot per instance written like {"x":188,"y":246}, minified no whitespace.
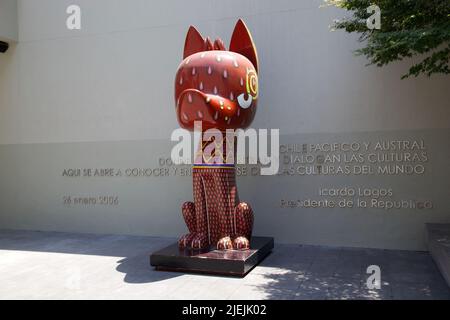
{"x":3,"y":46}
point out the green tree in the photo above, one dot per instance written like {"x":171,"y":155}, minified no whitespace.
{"x":408,"y":28}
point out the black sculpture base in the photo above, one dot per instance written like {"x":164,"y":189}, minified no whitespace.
{"x":229,"y":263}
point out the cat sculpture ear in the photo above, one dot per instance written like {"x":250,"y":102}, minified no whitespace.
{"x":242,"y":43}
{"x":194,"y":43}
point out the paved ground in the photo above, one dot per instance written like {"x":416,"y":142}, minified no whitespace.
{"x":36,"y":265}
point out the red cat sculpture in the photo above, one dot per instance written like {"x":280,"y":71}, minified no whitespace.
{"x":219,"y":88}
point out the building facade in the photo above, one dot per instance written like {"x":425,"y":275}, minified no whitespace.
{"x":86,"y":118}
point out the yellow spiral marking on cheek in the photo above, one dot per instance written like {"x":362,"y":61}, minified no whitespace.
{"x":252,"y":83}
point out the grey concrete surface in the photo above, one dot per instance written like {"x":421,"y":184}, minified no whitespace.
{"x":45,"y":265}
{"x":8,"y":20}
{"x":151,"y":205}
{"x":438,"y":238}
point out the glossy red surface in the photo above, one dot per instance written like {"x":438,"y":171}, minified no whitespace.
{"x":216,"y":86}
{"x":220,"y":89}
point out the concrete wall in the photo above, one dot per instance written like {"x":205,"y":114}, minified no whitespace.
{"x":8,"y":20}
{"x":102,"y":97}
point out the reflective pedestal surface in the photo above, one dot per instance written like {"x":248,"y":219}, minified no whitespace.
{"x":231,"y":263}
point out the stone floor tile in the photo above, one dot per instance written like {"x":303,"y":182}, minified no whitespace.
{"x":255,"y":292}
{"x":52,"y":265}
{"x":420,"y":291}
